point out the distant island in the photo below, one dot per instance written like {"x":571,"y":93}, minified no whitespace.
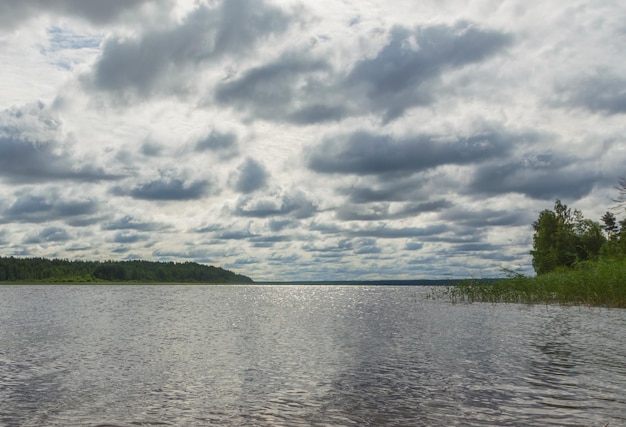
{"x":66,"y":271}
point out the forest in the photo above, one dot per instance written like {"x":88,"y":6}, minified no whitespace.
{"x":60,"y":270}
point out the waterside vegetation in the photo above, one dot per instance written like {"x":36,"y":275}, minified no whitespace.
{"x":598,"y":284}
{"x":65,"y":271}
{"x":577,"y":261}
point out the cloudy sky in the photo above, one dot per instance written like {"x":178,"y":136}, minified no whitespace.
{"x":292,"y":140}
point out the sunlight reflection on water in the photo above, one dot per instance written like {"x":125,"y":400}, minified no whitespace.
{"x":302,"y":355}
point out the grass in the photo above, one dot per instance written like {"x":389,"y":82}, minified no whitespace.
{"x":601,"y":283}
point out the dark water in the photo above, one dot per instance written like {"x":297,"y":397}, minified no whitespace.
{"x":302,"y":355}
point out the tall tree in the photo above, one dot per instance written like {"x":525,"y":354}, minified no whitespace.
{"x":610,"y":225}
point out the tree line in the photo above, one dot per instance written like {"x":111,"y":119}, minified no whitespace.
{"x":60,"y":270}
{"x":564,"y":238}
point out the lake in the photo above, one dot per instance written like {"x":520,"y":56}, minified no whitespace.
{"x":278,"y":355}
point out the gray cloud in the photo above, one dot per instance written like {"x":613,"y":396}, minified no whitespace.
{"x":277,"y":225}
{"x":145,"y":65}
{"x":252,"y":177}
{"x":270,"y":90}
{"x":12,"y":12}
{"x":49,"y":234}
{"x":296,"y":205}
{"x":130,"y":223}
{"x":305,"y":90}
{"x":383,"y":211}
{"x":29,"y":152}
{"x":170,"y":189}
{"x":151,"y":149}
{"x":225,"y":144}
{"x":600,"y":93}
{"x":383,"y":231}
{"x":486,"y":217}
{"x":550,"y":179}
{"x":37,"y":209}
{"x":167,"y":188}
{"x":400,"y":75}
{"x":364,"y":153}
{"x":127,"y":237}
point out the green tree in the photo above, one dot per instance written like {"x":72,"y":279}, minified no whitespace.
{"x":563,"y":238}
{"x":610,"y":225}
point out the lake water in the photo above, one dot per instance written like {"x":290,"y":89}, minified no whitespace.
{"x":302,"y":356}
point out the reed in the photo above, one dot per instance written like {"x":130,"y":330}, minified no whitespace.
{"x":601,"y":283}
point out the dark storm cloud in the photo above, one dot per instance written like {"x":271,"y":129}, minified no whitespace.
{"x":555,"y":178}
{"x":49,"y":234}
{"x":601,"y":93}
{"x":30,"y":154}
{"x":364,"y":153}
{"x":252,"y":177}
{"x":12,"y":12}
{"x":37,"y":209}
{"x":130,"y":223}
{"x":296,"y":205}
{"x":405,"y":73}
{"x":166,"y":188}
{"x":146,"y":65}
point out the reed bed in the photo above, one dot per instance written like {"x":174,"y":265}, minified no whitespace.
{"x":601,"y":283}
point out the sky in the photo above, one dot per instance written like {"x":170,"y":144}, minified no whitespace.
{"x":287,"y":140}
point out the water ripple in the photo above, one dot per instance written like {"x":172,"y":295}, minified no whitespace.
{"x":299,"y":356}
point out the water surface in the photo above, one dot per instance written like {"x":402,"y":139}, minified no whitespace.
{"x":302,"y":355}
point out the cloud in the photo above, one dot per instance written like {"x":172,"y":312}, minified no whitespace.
{"x":128,"y":222}
{"x":162,"y":61}
{"x":302,"y":89}
{"x":271,"y":90}
{"x":167,"y":188}
{"x":295,"y":205}
{"x":549,"y":179}
{"x":385,"y":211}
{"x":31,"y":151}
{"x":32,"y":208}
{"x":402,"y":74}
{"x":12,"y":12}
{"x":365,"y":153}
{"x":225,"y":144}
{"x":602,"y":93}
{"x":48,"y":235}
{"x":486,"y":217}
{"x":128,"y":237}
{"x":252,"y":176}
